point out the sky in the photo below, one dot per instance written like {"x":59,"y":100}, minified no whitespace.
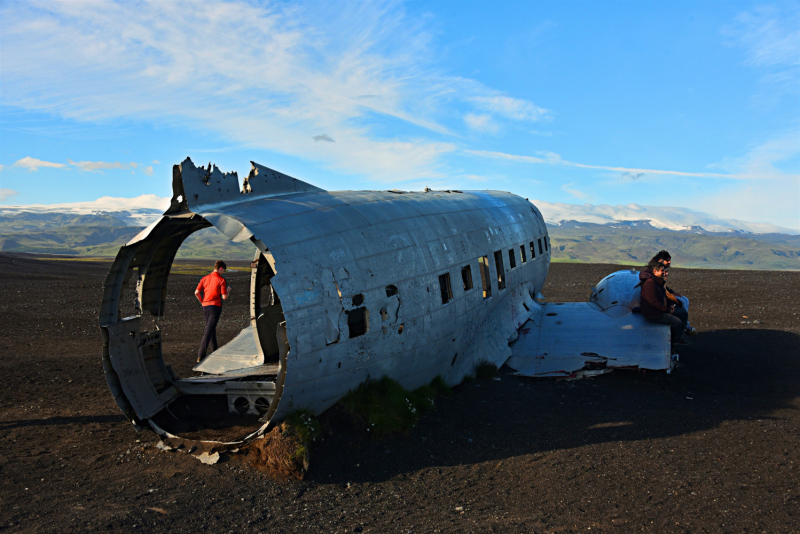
{"x":682,"y":104}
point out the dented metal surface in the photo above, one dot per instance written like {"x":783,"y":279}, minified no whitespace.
{"x":345,"y":286}
{"x":576,"y":339}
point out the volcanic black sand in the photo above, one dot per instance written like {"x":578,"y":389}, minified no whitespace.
{"x":711,"y":448}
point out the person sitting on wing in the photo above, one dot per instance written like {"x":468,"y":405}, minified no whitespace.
{"x":665,"y":259}
{"x":656,"y":307}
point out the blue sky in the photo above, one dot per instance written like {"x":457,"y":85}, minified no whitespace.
{"x":688,"y":104}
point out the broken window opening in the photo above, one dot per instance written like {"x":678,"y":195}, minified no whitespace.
{"x":358,"y":300}
{"x":466,"y":277}
{"x":545,"y":242}
{"x":483,"y":267}
{"x":522,"y":253}
{"x":444,"y":288}
{"x":512,"y":259}
{"x":391,"y":291}
{"x":501,"y":272}
{"x":540,"y":246}
{"x":533,"y":251}
{"x":358,"y":321}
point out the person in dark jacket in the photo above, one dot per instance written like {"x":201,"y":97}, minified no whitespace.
{"x":680,"y":301}
{"x":656,"y":307}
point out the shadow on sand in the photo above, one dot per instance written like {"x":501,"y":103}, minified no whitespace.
{"x":724,"y":375}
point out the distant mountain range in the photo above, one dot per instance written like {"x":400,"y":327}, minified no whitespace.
{"x":579,"y":233}
{"x":666,"y":218}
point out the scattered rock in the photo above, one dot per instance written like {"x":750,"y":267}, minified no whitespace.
{"x":209,"y":459}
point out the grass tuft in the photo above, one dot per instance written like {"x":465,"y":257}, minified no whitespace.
{"x":485,"y":370}
{"x":384,"y":407}
{"x":441,"y":387}
{"x":304,"y":425}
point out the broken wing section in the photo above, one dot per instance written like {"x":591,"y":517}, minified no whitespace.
{"x":575,"y":339}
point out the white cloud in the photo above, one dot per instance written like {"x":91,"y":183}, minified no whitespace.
{"x":511,"y":108}
{"x":575,"y":192}
{"x":7,"y":193}
{"x":770,"y":38}
{"x":270,"y":76}
{"x":33,"y":164}
{"x":749,"y":172}
{"x":99,"y":166}
{"x":148,"y":170}
{"x":156,"y":162}
{"x":776,"y":196}
{"x":770,"y":35}
{"x":480,"y":122}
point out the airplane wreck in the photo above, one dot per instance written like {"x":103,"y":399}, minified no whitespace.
{"x":347,"y":285}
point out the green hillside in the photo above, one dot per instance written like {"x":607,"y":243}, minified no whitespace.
{"x":101,"y":235}
{"x":635,"y":246}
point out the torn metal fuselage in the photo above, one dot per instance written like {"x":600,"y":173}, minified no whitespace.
{"x":345,"y":286}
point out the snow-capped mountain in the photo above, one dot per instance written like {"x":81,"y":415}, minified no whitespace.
{"x":137,"y":211}
{"x":668,"y":218}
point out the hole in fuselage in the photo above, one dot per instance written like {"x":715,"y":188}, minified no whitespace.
{"x":183,"y":324}
{"x":212,"y":407}
{"x":358,"y":321}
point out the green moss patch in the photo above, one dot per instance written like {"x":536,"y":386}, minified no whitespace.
{"x":485,"y":370}
{"x":383,"y":407}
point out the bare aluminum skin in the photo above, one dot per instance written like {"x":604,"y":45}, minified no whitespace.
{"x":321,"y":259}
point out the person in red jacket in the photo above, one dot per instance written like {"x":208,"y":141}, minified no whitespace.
{"x":211,"y":291}
{"x":656,"y":306}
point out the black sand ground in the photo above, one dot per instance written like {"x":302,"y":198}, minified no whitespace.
{"x":711,"y":448}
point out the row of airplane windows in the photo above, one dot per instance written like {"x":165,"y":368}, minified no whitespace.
{"x":358,"y":318}
{"x":445,"y":287}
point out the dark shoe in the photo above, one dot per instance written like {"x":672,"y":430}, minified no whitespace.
{"x":691,"y":331}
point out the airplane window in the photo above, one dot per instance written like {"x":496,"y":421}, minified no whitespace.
{"x":501,"y":272}
{"x":545,"y":242}
{"x":540,"y":246}
{"x":512,"y":259}
{"x":483,"y":266}
{"x":533,"y":251}
{"x":444,"y":287}
{"x":466,"y":277}
{"x":522,"y":253}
